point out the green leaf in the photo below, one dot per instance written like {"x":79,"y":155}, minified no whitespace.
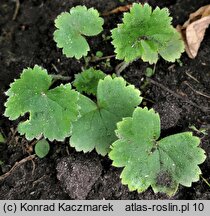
{"x":73,"y":26}
{"x":149,"y":72}
{"x":145,"y":34}
{"x":162,"y":164}
{"x":87,"y":81}
{"x":95,"y":128}
{"x":99,"y":54}
{"x":42,"y":148}
{"x":2,"y":140}
{"x":51,"y":111}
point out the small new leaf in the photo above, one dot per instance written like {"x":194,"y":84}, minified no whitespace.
{"x":87,"y":81}
{"x":73,"y":26}
{"x":2,"y":139}
{"x":145,"y":34}
{"x":42,"y":148}
{"x":95,"y":128}
{"x":51,"y":112}
{"x":163,"y":164}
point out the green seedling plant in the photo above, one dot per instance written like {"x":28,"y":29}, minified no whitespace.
{"x":103,"y":113}
{"x":146,"y":34}
{"x":51,"y":111}
{"x":149,"y":72}
{"x":42,"y":148}
{"x":87,"y":81}
{"x":73,"y":26}
{"x":200,"y":131}
{"x":99,"y":54}
{"x":2,"y":139}
{"x":95,"y":128}
{"x":148,"y":161}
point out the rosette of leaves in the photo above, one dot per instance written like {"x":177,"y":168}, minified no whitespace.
{"x":163,"y":164}
{"x":95,"y":128}
{"x":146,"y":34}
{"x":51,"y":111}
{"x":87,"y":81}
{"x":73,"y":26}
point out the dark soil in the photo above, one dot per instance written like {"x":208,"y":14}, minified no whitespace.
{"x":64,"y":173}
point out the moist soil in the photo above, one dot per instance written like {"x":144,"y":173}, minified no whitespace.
{"x":176,"y":91}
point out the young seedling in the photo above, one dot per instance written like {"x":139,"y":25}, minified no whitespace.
{"x":51,"y":111}
{"x":163,"y":164}
{"x":146,"y":34}
{"x":99,"y":54}
{"x":57,"y":113}
{"x":73,"y":26}
{"x":2,"y":139}
{"x":42,"y":148}
{"x":95,"y":128}
{"x":87,"y":81}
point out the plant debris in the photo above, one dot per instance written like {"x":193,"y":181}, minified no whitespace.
{"x":118,"y":10}
{"x":193,"y":30}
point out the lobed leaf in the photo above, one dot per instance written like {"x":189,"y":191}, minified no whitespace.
{"x":73,"y":26}
{"x":87,"y":81}
{"x":145,"y":34}
{"x":51,"y":111}
{"x":95,"y":128}
{"x":162,"y":164}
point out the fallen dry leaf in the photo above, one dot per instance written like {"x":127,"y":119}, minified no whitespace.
{"x":195,"y":33}
{"x":193,"y":30}
{"x":118,"y":10}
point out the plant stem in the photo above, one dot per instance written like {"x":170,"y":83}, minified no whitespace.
{"x":121,"y":67}
{"x":205,"y":181}
{"x":17,"y":7}
{"x":102,"y":58}
{"x":154,"y":68}
{"x":17,"y":164}
{"x":60,"y":77}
